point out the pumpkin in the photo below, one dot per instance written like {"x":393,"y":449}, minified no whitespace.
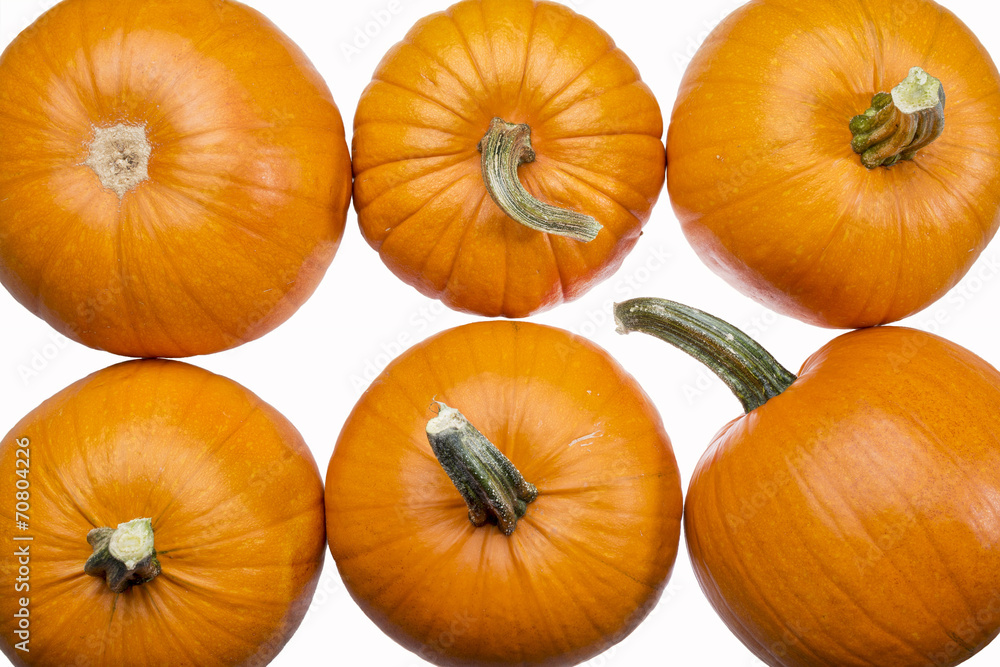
{"x":170,"y":517}
{"x":506,"y":156}
{"x":765,"y":173}
{"x":504,"y":493}
{"x":174,"y":177}
{"x":849,"y":517}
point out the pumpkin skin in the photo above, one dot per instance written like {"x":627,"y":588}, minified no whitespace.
{"x":770,"y":193}
{"x":584,"y":565}
{"x":248,"y":183}
{"x":596,"y":129}
{"x":237,"y":508}
{"x":851,"y":520}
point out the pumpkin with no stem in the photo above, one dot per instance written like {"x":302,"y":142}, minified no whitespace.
{"x":765,"y":173}
{"x":850,"y":518}
{"x":174,"y":517}
{"x":174,"y":177}
{"x":506,"y":156}
{"x":561,"y":527}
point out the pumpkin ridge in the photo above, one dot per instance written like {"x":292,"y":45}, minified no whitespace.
{"x":550,"y":139}
{"x":580,"y":547}
{"x":176,"y":551}
{"x":187,"y":196}
{"x":181,"y":282}
{"x":597,"y":95}
{"x":745,"y":575}
{"x":205,"y":456}
{"x":567,"y":168}
{"x":529,"y":41}
{"x":848,"y":595}
{"x":487,"y":93}
{"x":473,"y":96}
{"x":427,"y":98}
{"x":933,"y":545}
{"x":458,"y":217}
{"x":611,"y":49}
{"x":185,"y":191}
{"x":960,"y":196}
{"x":471,"y":223}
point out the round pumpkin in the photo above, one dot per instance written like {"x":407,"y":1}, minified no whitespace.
{"x":562,"y":539}
{"x":174,"y":177}
{"x":506,"y":156}
{"x":815,"y":173}
{"x":850,"y":517}
{"x":166,"y":516}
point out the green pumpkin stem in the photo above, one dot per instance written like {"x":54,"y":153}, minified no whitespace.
{"x":504,"y":148}
{"x":125,"y":556}
{"x":492,"y":487}
{"x":900,"y":123}
{"x":739,"y":361}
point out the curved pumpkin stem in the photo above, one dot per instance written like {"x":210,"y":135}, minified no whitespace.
{"x":492,"y":487}
{"x":739,"y":361}
{"x":125,"y":556}
{"x":900,"y":123}
{"x":505,"y":147}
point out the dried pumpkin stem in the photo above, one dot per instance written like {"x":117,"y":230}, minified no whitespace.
{"x":739,"y":361}
{"x":900,"y":123}
{"x":125,"y":556}
{"x":119,"y":156}
{"x":492,"y":487}
{"x":504,"y":148}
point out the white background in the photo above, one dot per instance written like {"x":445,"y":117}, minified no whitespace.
{"x":314,"y":367}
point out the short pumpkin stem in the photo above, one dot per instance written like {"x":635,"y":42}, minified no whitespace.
{"x":900,"y":123}
{"x":119,"y":155}
{"x":125,"y":556}
{"x":505,"y":147}
{"x":739,"y":361}
{"x":492,"y":487}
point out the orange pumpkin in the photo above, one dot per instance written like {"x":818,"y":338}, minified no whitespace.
{"x":765,"y":175}
{"x":850,"y":517}
{"x":574,"y":468}
{"x":223,"y":536}
{"x":494,"y":143}
{"x":174,"y":177}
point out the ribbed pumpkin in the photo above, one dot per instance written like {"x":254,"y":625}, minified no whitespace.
{"x":492,"y":143}
{"x":536,"y":431}
{"x":850,"y":518}
{"x":765,"y":174}
{"x":174,"y":177}
{"x":222,"y":506}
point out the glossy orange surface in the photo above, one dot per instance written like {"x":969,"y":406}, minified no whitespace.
{"x":249,"y":175}
{"x":590,"y":557}
{"x":772,"y":197}
{"x":595,"y":126}
{"x":855,"y":518}
{"x":236,"y":503}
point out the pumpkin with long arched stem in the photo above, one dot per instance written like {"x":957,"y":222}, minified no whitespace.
{"x":849,"y":518}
